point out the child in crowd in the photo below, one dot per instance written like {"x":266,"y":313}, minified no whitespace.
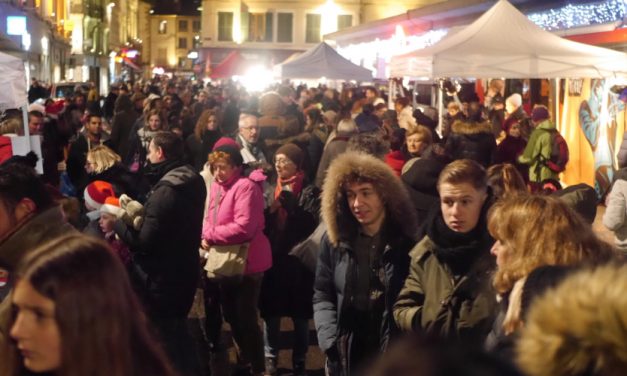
{"x":109,"y":213}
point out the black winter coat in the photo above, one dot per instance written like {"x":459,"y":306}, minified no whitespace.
{"x":122,"y":180}
{"x":164,"y":266}
{"x":421,"y":182}
{"x":471,"y":141}
{"x":287,"y":287}
{"x":198,"y":150}
{"x":121,"y":125}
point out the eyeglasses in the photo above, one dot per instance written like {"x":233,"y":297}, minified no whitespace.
{"x":282,"y":162}
{"x":250,"y":129}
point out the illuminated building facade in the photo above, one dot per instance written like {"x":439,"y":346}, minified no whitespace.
{"x":38,"y":32}
{"x":271,"y":31}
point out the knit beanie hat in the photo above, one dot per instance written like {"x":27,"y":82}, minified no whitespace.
{"x":112,"y":206}
{"x":225,"y":141}
{"x":515,"y":100}
{"x":540,"y":113}
{"x":229,"y":146}
{"x":96,"y":193}
{"x":293,"y":152}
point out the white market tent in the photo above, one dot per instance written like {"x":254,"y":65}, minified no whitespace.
{"x":13,"y":84}
{"x":503,"y":42}
{"x":13,"y":94}
{"x":322,"y":61}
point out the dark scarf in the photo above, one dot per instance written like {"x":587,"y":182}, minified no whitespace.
{"x":155,"y":171}
{"x":459,"y":250}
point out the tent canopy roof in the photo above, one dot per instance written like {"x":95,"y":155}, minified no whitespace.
{"x":503,"y":42}
{"x":234,"y":64}
{"x":323,"y":61}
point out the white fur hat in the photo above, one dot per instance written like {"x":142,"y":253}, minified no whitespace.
{"x":515,"y":100}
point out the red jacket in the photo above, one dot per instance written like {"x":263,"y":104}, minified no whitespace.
{"x":6,"y":150}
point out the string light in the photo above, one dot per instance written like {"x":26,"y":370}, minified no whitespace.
{"x":571,"y":16}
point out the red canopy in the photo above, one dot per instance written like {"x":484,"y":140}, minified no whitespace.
{"x":233,"y":65}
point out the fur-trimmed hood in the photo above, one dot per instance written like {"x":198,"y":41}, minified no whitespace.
{"x":579,"y":327}
{"x":466,"y":127}
{"x":335,"y":212}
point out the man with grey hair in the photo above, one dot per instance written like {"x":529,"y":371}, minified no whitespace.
{"x":252,"y":148}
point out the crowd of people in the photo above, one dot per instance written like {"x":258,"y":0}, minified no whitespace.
{"x":414,"y":252}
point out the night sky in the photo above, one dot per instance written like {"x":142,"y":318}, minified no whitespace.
{"x":176,"y":6}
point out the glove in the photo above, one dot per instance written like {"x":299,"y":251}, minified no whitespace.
{"x":133,"y":212}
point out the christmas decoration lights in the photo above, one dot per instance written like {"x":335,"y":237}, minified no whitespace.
{"x":571,"y":16}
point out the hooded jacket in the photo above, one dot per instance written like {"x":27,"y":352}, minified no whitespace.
{"x":164,"y":266}
{"x":448,"y":292}
{"x":471,"y":141}
{"x":578,"y":327}
{"x":538,"y":149}
{"x":337,"y":258}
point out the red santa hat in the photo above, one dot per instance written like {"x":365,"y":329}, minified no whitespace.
{"x":112,"y":206}
{"x":96,"y":193}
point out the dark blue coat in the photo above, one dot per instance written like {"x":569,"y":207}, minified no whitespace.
{"x":330,"y":285}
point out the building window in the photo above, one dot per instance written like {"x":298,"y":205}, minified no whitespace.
{"x":284,"y":27}
{"x":312,"y":31}
{"x":163,"y":27}
{"x":260,"y":27}
{"x":196,"y":42}
{"x":195,"y":26}
{"x":182,"y":42}
{"x":182,"y":26}
{"x":344,"y":21}
{"x":225,"y":26}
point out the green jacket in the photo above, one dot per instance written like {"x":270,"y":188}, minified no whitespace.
{"x":434,"y":303}
{"x":538,"y":150}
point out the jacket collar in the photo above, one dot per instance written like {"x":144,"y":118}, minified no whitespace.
{"x":29,"y":235}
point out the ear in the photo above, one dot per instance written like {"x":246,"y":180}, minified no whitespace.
{"x":160,"y":153}
{"x":25,"y":208}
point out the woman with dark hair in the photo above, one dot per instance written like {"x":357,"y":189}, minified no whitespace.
{"x":153,"y":123}
{"x":505,"y":180}
{"x":200,"y":143}
{"x":75,"y":313}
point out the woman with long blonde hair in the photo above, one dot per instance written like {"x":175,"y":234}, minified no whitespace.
{"x":532,"y":231}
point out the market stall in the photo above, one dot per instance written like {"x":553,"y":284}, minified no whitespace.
{"x":504,"y":43}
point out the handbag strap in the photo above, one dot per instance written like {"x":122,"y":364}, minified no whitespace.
{"x":215,"y":208}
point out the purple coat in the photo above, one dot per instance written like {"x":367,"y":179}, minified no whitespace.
{"x":240,"y":219}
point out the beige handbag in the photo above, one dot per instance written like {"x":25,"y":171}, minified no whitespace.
{"x":225,"y":261}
